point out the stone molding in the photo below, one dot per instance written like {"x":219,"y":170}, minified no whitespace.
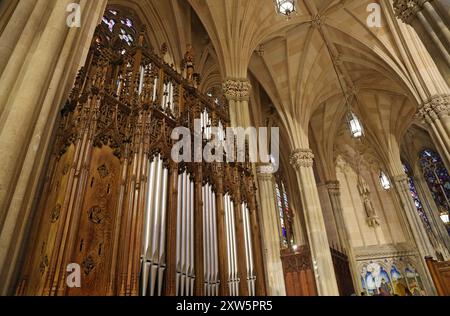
{"x":384,"y":251}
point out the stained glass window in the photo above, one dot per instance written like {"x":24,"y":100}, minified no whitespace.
{"x":415,"y":196}
{"x":285,"y":215}
{"x":437,"y":178}
{"x":284,"y":238}
{"x":125,"y":26}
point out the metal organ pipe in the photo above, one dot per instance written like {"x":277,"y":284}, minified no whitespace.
{"x":248,"y":249}
{"x":233,"y":282}
{"x":153,"y":250}
{"x":211,"y":242}
{"x":141,"y":80}
{"x":147,"y":229}
{"x":167,"y":99}
{"x":187,"y":242}
{"x":215,"y":250}
{"x":179,"y":239}
{"x":185,"y":236}
{"x":207,"y":242}
{"x":233,"y":238}
{"x":227,"y":236}
{"x":211,"y":268}
{"x":162,"y":244}
{"x":192,"y":249}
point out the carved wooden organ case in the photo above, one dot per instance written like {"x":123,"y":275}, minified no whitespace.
{"x":116,"y":204}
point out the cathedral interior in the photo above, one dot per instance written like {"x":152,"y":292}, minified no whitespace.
{"x":353,"y":199}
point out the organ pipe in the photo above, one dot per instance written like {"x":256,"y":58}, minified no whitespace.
{"x":248,"y":250}
{"x":153,"y":262}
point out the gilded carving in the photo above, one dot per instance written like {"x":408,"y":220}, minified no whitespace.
{"x":95,"y":214}
{"x":88,"y":265}
{"x":103,"y":171}
{"x":44,"y":264}
{"x":54,"y":214}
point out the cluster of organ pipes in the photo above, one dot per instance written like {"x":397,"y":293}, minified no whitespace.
{"x":233,"y":277}
{"x":211,"y":260}
{"x":185,"y":236}
{"x":153,"y":262}
{"x":115,"y":203}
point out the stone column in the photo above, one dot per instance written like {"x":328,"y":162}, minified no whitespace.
{"x":237,"y":92}
{"x":435,"y":113}
{"x":432,"y":24}
{"x":334,"y":193}
{"x":419,"y":234}
{"x":302,"y":161}
{"x":33,"y":98}
{"x":271,"y":231}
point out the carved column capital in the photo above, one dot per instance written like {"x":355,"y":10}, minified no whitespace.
{"x":237,"y":89}
{"x":302,"y":158}
{"x":434,"y":109}
{"x":406,"y":10}
{"x":265,"y":172}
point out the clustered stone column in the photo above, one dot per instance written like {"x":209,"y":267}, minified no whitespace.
{"x":237,"y":92}
{"x":435,"y":113}
{"x":302,"y":160}
{"x":414,"y":220}
{"x":415,"y":223}
{"x":431,"y":20}
{"x":334,"y":192}
{"x":270,"y":227}
{"x":40,"y":56}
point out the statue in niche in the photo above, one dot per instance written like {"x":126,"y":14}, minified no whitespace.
{"x":189,"y":63}
{"x":364,"y":190}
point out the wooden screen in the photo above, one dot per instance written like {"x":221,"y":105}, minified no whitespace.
{"x":342,"y":272}
{"x":298,"y":272}
{"x":115,"y":203}
{"x":440,"y":272}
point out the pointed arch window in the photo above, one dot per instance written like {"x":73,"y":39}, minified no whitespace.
{"x":437,"y":178}
{"x":118,"y":23}
{"x":284,"y":213}
{"x":415,"y":196}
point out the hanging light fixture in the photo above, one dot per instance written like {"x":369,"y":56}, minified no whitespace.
{"x":445,"y":217}
{"x":385,"y":182}
{"x":286,"y":7}
{"x":354,"y":124}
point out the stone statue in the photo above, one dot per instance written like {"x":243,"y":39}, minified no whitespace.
{"x":364,"y":190}
{"x":189,"y":62}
